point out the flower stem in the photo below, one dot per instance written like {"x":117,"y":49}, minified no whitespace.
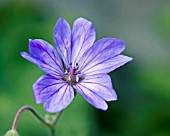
{"x":21,"y":110}
{"x":54,"y":123}
{"x":51,"y":125}
{"x":52,"y":131}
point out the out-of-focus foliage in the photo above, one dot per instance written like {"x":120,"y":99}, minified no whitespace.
{"x":143,"y":86}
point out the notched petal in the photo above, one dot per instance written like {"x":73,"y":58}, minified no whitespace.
{"x":29,"y":57}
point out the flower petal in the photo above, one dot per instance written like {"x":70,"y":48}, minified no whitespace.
{"x":60,"y":100}
{"x":45,"y":56}
{"x":55,"y":93}
{"x":101,"y":85}
{"x":103,"y":57}
{"x":83,"y":36}
{"x":45,"y":86}
{"x":91,"y":97}
{"x":62,"y":39}
{"x":108,"y":65}
{"x":97,"y":89}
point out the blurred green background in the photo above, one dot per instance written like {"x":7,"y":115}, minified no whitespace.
{"x":143,"y":85}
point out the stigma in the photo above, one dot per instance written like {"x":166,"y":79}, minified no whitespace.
{"x":72,"y":74}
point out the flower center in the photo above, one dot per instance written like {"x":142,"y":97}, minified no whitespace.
{"x":71,"y":74}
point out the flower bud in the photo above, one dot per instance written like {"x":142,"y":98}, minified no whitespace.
{"x":12,"y":133}
{"x":49,"y":118}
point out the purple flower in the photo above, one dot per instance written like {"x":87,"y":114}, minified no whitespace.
{"x":78,"y":64}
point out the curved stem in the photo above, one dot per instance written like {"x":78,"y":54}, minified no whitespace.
{"x":51,"y":125}
{"x":21,"y":110}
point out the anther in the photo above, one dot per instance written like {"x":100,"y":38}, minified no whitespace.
{"x":70,"y":64}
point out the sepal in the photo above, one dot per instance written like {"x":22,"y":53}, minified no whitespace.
{"x":12,"y":133}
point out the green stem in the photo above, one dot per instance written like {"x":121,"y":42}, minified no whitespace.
{"x":52,"y":131}
{"x":54,"y":123}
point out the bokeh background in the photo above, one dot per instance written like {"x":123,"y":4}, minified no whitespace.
{"x":143,"y":86}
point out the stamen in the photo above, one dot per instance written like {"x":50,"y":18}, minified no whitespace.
{"x":68,"y":70}
{"x":77,"y":78}
{"x":78,"y":72}
{"x":72,"y":74}
{"x":70,"y":64}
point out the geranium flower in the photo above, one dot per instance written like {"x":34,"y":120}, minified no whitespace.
{"x":78,"y":64}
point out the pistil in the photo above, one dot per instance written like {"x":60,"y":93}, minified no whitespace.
{"x":71,"y":74}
